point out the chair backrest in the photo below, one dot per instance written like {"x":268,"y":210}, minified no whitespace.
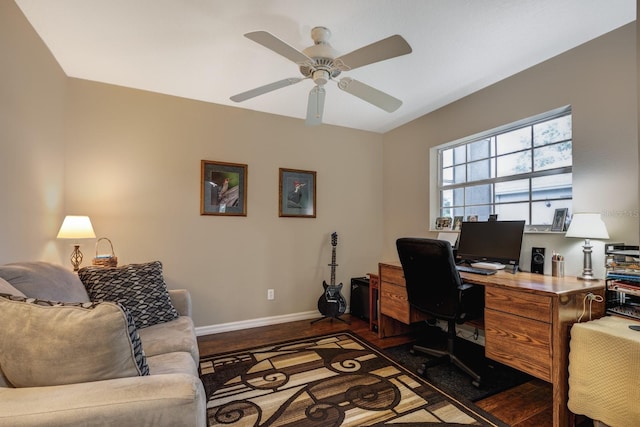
{"x":431,"y":277}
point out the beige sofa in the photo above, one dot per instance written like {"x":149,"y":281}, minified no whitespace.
{"x":170,"y":395}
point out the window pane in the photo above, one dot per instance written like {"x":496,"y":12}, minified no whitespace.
{"x":478,"y":194}
{"x":458,"y":198}
{"x":552,"y":156}
{"x":552,"y":131}
{"x":513,"y":164}
{"x":479,"y":170}
{"x":513,"y":211}
{"x":512,"y":191}
{"x":542,"y":212}
{"x":460,"y":154}
{"x":447,"y":176}
{"x":447,"y":157}
{"x":551,"y":187}
{"x":479,"y":150}
{"x":446,"y":199}
{"x":519,"y":139}
{"x":459,"y":174}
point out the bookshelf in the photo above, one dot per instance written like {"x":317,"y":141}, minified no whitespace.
{"x":623,"y":280}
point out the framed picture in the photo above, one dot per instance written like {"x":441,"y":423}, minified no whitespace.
{"x":559,"y":218}
{"x":443,"y":223}
{"x":472,"y":218}
{"x":457,"y":222}
{"x":297,"y":193}
{"x":223,"y":188}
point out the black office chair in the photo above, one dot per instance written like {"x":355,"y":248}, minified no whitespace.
{"x":434,"y":287}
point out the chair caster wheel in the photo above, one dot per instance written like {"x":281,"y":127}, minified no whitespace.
{"x":475,"y":383}
{"x":421,"y":370}
{"x":412,"y":351}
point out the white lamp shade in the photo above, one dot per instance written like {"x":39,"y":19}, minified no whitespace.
{"x":587,"y":226}
{"x":76,"y":227}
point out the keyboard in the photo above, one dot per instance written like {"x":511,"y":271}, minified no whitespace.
{"x":474,"y":270}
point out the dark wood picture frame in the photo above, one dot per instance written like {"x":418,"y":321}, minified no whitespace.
{"x":297,"y":193}
{"x":559,"y":219}
{"x":223,"y":188}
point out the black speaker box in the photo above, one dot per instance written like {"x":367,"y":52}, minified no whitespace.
{"x":360,"y":298}
{"x":537,"y":260}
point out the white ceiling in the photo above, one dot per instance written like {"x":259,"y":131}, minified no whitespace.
{"x":196,"y":49}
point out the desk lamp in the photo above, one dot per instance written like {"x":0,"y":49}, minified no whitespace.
{"x":587,"y":226}
{"x":76,"y":227}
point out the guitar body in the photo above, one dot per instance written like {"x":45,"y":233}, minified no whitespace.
{"x":331,"y":303}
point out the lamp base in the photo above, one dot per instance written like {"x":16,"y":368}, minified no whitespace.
{"x":588,"y":278}
{"x":76,"y":257}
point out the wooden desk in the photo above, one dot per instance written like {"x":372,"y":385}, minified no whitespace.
{"x":527,"y":319}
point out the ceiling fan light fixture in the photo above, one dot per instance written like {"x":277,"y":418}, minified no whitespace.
{"x":321,"y":77}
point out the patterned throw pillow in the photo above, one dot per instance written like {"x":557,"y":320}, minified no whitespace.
{"x":139,"y":287}
{"x":46,"y":343}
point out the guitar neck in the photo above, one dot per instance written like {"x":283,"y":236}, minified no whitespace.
{"x":333,"y":266}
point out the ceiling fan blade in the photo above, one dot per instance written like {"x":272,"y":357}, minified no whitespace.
{"x":315,"y":107}
{"x":369,"y":94}
{"x":265,"y":89}
{"x":375,"y":52}
{"x":270,"y":41}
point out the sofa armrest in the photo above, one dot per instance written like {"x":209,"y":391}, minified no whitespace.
{"x":156,"y":400}
{"x":181,"y":300}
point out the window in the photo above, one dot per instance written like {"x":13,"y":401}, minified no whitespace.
{"x":519,"y":171}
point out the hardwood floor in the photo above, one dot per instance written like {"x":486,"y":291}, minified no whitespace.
{"x":527,"y":405}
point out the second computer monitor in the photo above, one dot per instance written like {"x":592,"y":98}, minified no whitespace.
{"x":491,"y":241}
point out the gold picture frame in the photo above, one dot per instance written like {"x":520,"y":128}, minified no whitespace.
{"x":223,"y":188}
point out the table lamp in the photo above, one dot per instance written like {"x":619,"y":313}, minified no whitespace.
{"x":587,"y":226}
{"x":76,"y":227}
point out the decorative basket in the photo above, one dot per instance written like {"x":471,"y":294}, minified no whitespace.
{"x":105,"y":260}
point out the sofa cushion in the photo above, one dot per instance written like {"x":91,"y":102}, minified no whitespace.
{"x":168,"y":337}
{"x":6,"y":288}
{"x":139,"y":287}
{"x":46,"y":281}
{"x":45,"y":343}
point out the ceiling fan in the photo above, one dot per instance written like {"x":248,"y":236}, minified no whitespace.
{"x":322,"y":63}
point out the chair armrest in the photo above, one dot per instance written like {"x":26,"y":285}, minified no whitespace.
{"x":176,"y":399}
{"x":181,"y":300}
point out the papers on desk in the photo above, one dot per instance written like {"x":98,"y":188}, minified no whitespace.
{"x":452,"y":238}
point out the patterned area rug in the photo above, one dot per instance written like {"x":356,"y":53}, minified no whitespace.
{"x":332,"y":380}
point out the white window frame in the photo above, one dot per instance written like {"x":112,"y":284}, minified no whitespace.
{"x":435,"y":165}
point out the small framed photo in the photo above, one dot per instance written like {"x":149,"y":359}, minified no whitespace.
{"x":443,"y":223}
{"x":223,"y":188}
{"x":559,"y":218}
{"x":297,"y":193}
{"x":472,"y":218}
{"x":457,"y":222}
{"x":493,"y":217}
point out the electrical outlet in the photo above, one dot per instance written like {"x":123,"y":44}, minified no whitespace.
{"x":271,"y":295}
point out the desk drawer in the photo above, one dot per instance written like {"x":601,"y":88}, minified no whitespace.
{"x":522,"y":304}
{"x":394,"y":302}
{"x":392,"y":274}
{"x":524,"y":344}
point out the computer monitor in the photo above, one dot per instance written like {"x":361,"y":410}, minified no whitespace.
{"x":491,"y":241}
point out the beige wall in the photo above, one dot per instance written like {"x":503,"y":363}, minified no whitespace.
{"x":599,"y":80}
{"x":131,"y":160}
{"x":32,"y":97}
{"x":133,"y":165}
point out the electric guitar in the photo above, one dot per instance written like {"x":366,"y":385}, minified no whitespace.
{"x":331,"y":302}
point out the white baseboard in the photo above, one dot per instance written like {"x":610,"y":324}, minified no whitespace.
{"x":252,"y":323}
